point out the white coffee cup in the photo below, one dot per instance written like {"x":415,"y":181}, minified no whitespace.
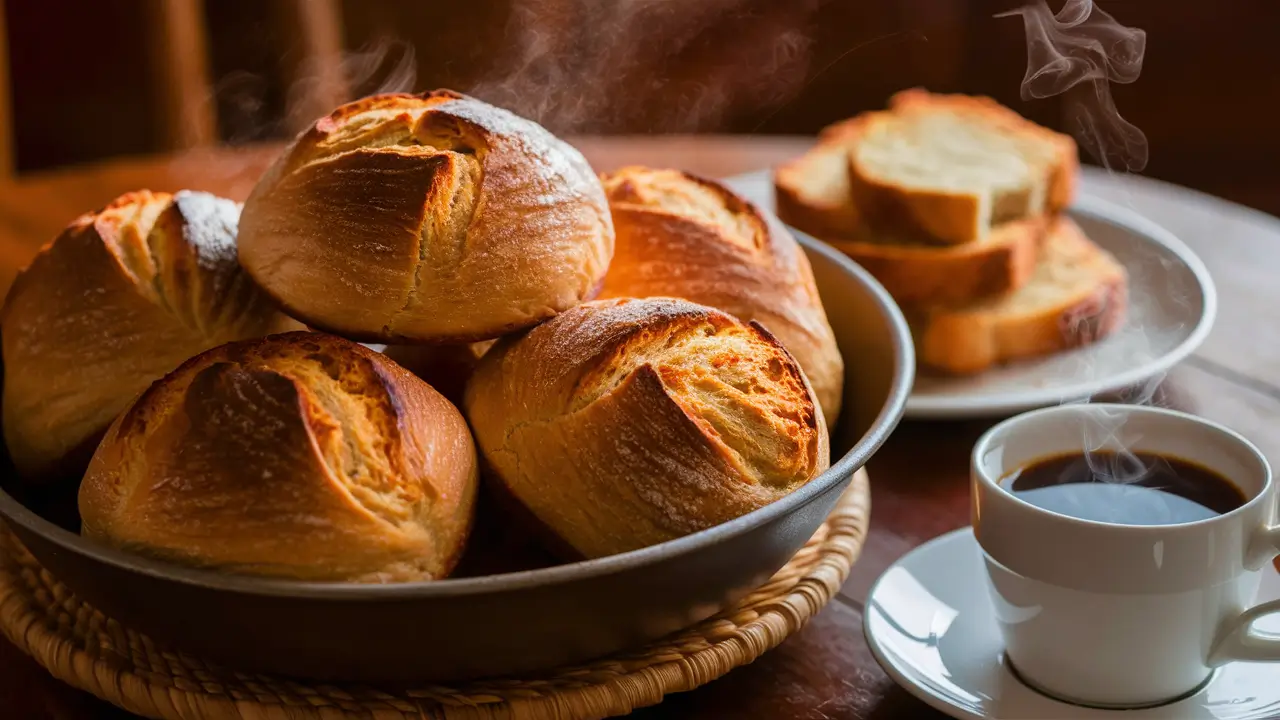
{"x":1116,"y":615}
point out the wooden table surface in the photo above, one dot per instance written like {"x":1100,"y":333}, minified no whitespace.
{"x":825,"y":671}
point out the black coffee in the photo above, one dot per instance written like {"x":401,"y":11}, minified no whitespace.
{"x":1125,"y":488}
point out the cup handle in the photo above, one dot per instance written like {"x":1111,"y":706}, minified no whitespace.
{"x":1238,"y":640}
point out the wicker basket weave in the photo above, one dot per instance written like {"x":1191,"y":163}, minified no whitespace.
{"x":80,"y":646}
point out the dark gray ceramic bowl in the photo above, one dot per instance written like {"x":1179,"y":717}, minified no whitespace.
{"x":517,"y":622}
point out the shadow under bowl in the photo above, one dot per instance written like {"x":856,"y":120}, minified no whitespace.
{"x":521,"y":622}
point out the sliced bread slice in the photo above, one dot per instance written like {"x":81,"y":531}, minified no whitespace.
{"x":1077,"y":295}
{"x":947,"y":168}
{"x":811,"y":193}
{"x":951,"y":275}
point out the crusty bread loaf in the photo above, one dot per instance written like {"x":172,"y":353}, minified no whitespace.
{"x":947,"y":168}
{"x":625,"y":423}
{"x":684,"y":236}
{"x":300,"y":455}
{"x":122,"y":296}
{"x":812,"y":194}
{"x":447,"y":368}
{"x":426,"y":218}
{"x":1077,"y":295}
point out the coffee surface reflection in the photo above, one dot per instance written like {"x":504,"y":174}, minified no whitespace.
{"x":1125,"y":488}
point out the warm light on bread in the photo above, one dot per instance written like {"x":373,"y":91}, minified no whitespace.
{"x":447,"y":368}
{"x":920,"y":274}
{"x":812,"y":193}
{"x":947,"y":168}
{"x":625,"y":423}
{"x":679,"y":235}
{"x":299,"y":455}
{"x":427,"y":218}
{"x":121,"y":297}
{"x":1077,"y":295}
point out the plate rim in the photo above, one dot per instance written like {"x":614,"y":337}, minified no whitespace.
{"x":897,"y":674}
{"x":988,"y":406}
{"x":1145,"y":229}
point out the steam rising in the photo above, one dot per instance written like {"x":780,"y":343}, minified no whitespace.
{"x":386,"y":66}
{"x":647,"y":65}
{"x":1078,"y":53}
{"x":578,"y":66}
{"x":1102,"y":432}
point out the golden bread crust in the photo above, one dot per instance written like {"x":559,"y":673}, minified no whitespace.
{"x":955,"y":216}
{"x":813,"y":195}
{"x":1064,"y":173}
{"x":680,"y":235}
{"x":625,"y":423}
{"x":447,"y":368}
{"x":122,"y":296}
{"x":811,"y":191}
{"x":1084,"y":309}
{"x":952,"y":275}
{"x":426,"y":218}
{"x":300,"y":455}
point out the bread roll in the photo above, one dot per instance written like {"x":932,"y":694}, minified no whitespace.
{"x":300,"y":455}
{"x":426,"y":218}
{"x":122,"y":296}
{"x":624,"y":423}
{"x":680,"y":235}
{"x":447,"y":368}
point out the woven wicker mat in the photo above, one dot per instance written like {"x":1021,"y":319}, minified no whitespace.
{"x":80,"y":646}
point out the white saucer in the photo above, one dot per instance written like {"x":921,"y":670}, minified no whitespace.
{"x":1172,"y":306}
{"x":929,"y":624}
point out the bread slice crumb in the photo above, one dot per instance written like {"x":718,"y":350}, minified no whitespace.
{"x":1077,"y":295}
{"x":948,"y":168}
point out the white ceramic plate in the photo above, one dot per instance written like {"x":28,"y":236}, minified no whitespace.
{"x":1172,"y":305}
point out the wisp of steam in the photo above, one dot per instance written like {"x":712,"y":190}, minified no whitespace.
{"x":597,"y":66}
{"x":1079,"y":52}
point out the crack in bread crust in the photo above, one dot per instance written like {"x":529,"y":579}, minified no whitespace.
{"x":294,"y":438}
{"x":685,"y":236}
{"x":416,"y":207}
{"x":688,"y":196}
{"x":667,"y":415}
{"x":123,"y":295}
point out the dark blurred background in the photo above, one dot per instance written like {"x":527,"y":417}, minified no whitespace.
{"x":97,"y":79}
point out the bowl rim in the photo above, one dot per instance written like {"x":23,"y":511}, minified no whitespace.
{"x":882,"y":426}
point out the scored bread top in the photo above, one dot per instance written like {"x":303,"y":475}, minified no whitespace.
{"x":685,"y":195}
{"x":679,"y":235}
{"x":432,"y":217}
{"x":122,"y":296}
{"x":297,"y":455}
{"x":623,"y":423}
{"x":947,"y":168}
